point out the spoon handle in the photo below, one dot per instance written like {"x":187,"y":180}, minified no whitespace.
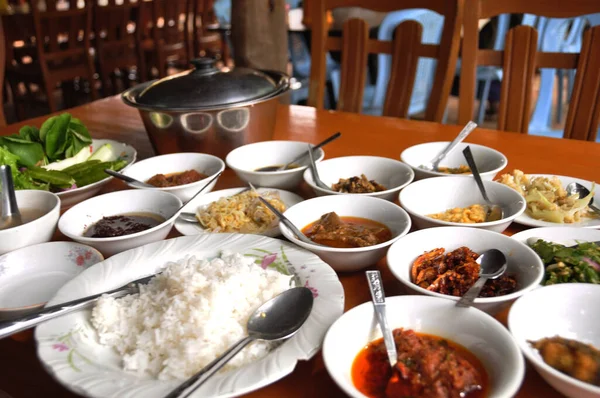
{"x":311,"y":149}
{"x":467,"y":299}
{"x":315,"y":172}
{"x":9,"y":200}
{"x":378,"y":297}
{"x":459,"y":138}
{"x":471,"y":162}
{"x":204,"y":374}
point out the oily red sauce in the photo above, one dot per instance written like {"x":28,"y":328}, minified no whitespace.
{"x":346,"y":232}
{"x":175,"y":179}
{"x":428,"y":367}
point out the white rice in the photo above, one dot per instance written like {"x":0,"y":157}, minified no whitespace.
{"x":187,"y":316}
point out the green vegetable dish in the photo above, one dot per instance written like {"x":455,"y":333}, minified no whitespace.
{"x":577,"y":264}
{"x":57,"y":157}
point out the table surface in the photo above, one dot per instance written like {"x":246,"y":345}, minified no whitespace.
{"x":22,"y":374}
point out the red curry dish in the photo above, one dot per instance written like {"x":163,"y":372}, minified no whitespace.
{"x":346,"y":232}
{"x":455,"y":272}
{"x":175,"y":179}
{"x":428,"y":367}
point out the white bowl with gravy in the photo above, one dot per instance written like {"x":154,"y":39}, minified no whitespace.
{"x":39,"y":212}
{"x":370,"y":224}
{"x":384,"y":177}
{"x":252,"y":163}
{"x":182,"y":174}
{"x":122,"y":220}
{"x":489,"y":161}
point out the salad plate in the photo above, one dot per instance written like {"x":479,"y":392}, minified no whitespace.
{"x":69,"y":348}
{"x":203,"y":201}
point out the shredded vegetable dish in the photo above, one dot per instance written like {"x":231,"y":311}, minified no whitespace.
{"x":578,"y":264}
{"x":547,"y":199}
{"x":241,"y":213}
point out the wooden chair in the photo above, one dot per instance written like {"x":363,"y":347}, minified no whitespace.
{"x":2,"y":69}
{"x":520,"y":59}
{"x":116,"y":43}
{"x":165,"y":33}
{"x":204,"y":42}
{"x":63,"y":45}
{"x":406,"y":48}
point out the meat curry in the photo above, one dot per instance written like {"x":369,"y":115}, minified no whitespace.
{"x":175,"y":179}
{"x":346,"y":232}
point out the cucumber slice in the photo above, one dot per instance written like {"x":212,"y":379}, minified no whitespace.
{"x":104,"y":154}
{"x":81,"y":156}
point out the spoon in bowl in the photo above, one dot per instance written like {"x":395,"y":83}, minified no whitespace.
{"x":492,"y":264}
{"x":575,"y":188}
{"x":128,"y":179}
{"x":493,"y":212}
{"x":315,"y":172}
{"x":434,"y":164}
{"x":11,"y":217}
{"x":378,"y":297}
{"x":277,"y":319}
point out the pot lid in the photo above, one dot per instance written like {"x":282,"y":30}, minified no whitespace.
{"x":205,"y":86}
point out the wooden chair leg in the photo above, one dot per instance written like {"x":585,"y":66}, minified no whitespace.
{"x":49,"y":86}
{"x":161,"y":64}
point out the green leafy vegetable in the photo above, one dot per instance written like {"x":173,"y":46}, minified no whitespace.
{"x":20,"y":180}
{"x":29,"y":153}
{"x":580,"y":263}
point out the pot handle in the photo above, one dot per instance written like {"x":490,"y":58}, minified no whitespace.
{"x":204,"y":65}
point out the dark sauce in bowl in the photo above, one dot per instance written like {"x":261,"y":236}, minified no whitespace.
{"x":124,"y":224}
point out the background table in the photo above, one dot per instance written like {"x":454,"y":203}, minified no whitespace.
{"x":22,"y":375}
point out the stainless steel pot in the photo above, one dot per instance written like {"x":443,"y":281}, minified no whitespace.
{"x":206,"y":110}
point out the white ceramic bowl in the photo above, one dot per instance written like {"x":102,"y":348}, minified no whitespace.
{"x":351,"y":259}
{"x":436,"y":195}
{"x":246,"y":159}
{"x":562,"y":235}
{"x":77,"y":219}
{"x":177,"y":163}
{"x":32,"y":275}
{"x":391,"y":173}
{"x":478,"y":332}
{"x":489,"y":161}
{"x":37,"y":231}
{"x":568,"y":310}
{"x":523,"y":263}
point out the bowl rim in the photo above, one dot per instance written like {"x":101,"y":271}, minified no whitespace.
{"x":479,"y":300}
{"x":45,"y":216}
{"x":423,"y":217}
{"x":83,"y":239}
{"x":501,"y":156}
{"x":177,"y":187}
{"x":538,"y":362}
{"x":518,"y":375}
{"x":319,"y":158}
{"x":312,"y":247}
{"x":411,"y":179}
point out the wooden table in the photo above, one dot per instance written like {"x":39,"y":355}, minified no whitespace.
{"x":22,"y":375}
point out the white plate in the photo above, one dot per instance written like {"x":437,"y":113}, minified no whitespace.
{"x":30,"y":276}
{"x":188,"y":228}
{"x":525,"y":219}
{"x":74,"y":196}
{"x":69,"y":349}
{"x":562,"y":235}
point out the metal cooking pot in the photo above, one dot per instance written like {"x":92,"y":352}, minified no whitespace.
{"x":206,"y":110}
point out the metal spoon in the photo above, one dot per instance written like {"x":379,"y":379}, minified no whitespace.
{"x":297,"y":158}
{"x":435,"y":162}
{"x":315,"y":173}
{"x":284,"y":220}
{"x":277,"y":319}
{"x":11,"y":217}
{"x":128,"y":179}
{"x":378,"y":297}
{"x":178,"y":212}
{"x":493,"y":212}
{"x":492,"y":264}
{"x":575,"y":188}
{"x":191,"y":217}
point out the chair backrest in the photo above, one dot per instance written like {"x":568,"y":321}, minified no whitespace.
{"x":2,"y":69}
{"x":170,"y":24}
{"x":115,"y":27}
{"x":406,"y":48}
{"x":521,"y":58}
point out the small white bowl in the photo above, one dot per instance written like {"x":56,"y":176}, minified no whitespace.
{"x":567,"y":310}
{"x":246,"y":159}
{"x":177,"y":163}
{"x":391,"y":173}
{"x":489,"y":161}
{"x":523,"y":263}
{"x":32,"y":275}
{"x":478,"y":332}
{"x":77,"y":219}
{"x":436,"y":195}
{"x":351,"y":259}
{"x":36,"y":231}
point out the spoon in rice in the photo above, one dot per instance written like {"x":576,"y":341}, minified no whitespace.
{"x":277,"y":319}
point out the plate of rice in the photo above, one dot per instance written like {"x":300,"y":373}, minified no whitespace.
{"x":146,"y":344}
{"x":237,"y":210}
